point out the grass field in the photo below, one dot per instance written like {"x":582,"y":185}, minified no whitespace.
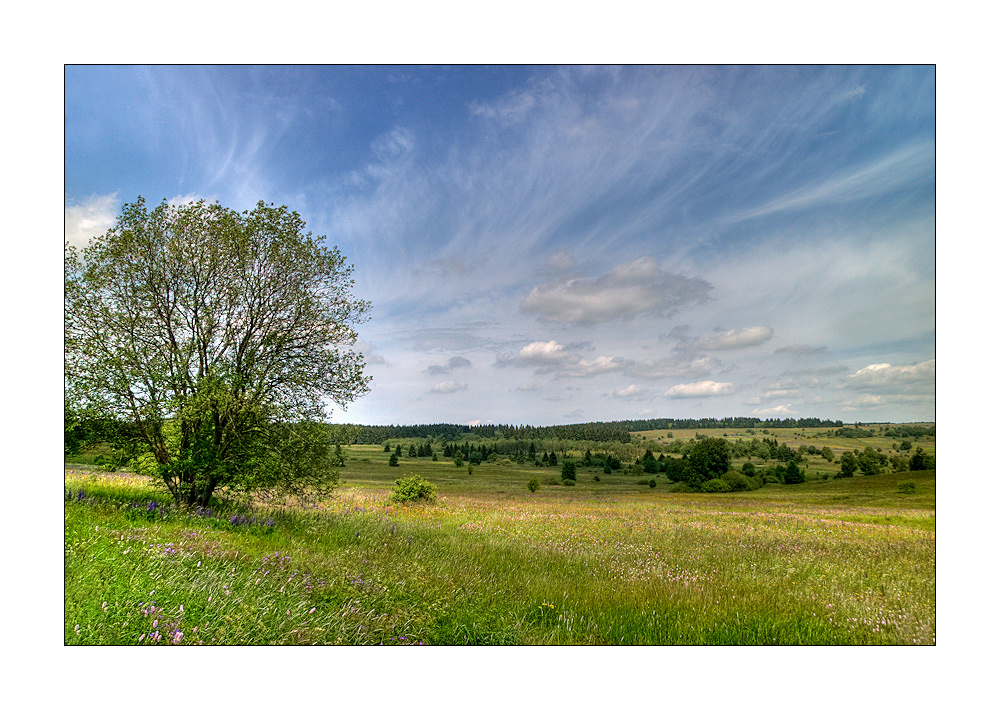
{"x":845,"y":561}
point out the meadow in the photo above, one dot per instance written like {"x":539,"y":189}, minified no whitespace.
{"x":610,"y":561}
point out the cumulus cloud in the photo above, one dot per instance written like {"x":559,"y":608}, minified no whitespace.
{"x":453,"y":363}
{"x":553,"y":358}
{"x":448,"y":387}
{"x":883,"y":376}
{"x":705,"y":388}
{"x":635,"y":288}
{"x":781,"y":410}
{"x":728,"y":339}
{"x":537,"y":354}
{"x":87,"y":219}
{"x":632,"y":392}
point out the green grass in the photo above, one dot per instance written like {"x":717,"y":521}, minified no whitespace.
{"x":846,"y":561}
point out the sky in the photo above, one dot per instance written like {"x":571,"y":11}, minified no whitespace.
{"x":558,"y":244}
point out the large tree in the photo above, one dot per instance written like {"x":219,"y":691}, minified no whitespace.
{"x":709,"y":458}
{"x":219,"y":338}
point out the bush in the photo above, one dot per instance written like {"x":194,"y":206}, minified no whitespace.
{"x":907,"y":487}
{"x":568,"y":470}
{"x":715,"y":485}
{"x":534,"y":485}
{"x":793,"y":474}
{"x":412,"y":489}
{"x":597,"y":478}
{"x":569,"y":482}
{"x":652,"y":483}
{"x":737,"y":481}
{"x":393,"y":460}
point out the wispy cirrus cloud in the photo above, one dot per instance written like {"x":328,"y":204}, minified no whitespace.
{"x":908,"y":165}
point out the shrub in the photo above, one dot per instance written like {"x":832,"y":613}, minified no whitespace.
{"x":393,"y":460}
{"x":568,"y":470}
{"x":597,"y":478}
{"x":907,"y":487}
{"x":534,"y":485}
{"x":569,"y":482}
{"x":413,"y":488}
{"x":737,"y":481}
{"x":715,"y":485}
{"x":793,"y":474}
{"x":552,"y":481}
{"x":652,"y":483}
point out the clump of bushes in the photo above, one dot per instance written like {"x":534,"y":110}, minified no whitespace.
{"x":741,"y":482}
{"x":413,"y":489}
{"x":715,"y":485}
{"x":907,"y":487}
{"x":534,"y":485}
{"x":569,"y":482}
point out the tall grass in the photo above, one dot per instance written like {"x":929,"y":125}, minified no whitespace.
{"x":492,"y":563}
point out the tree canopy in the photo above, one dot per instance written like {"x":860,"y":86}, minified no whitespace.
{"x":219,"y":338}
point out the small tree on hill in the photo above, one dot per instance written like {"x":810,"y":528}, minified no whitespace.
{"x":793,"y":474}
{"x":848,"y":465}
{"x":568,"y":470}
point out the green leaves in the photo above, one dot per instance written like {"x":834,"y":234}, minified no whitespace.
{"x":212,"y":331}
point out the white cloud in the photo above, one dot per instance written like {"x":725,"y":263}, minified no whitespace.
{"x":553,"y":358}
{"x":729,"y":339}
{"x":93,"y":216}
{"x":781,"y":410}
{"x":883,"y":376}
{"x":632,"y":392}
{"x":909,"y":164}
{"x":635,"y":288}
{"x":599,"y":366}
{"x":706,"y":388}
{"x":537,"y":354}
{"x":448,"y":387}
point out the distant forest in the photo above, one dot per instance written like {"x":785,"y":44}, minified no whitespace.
{"x":619,"y":431}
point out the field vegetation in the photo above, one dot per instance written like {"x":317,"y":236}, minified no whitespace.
{"x":467,"y":552}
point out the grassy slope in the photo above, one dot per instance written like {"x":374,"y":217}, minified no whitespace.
{"x":838,"y":561}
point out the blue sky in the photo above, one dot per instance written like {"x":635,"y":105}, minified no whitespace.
{"x":551,"y":244}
